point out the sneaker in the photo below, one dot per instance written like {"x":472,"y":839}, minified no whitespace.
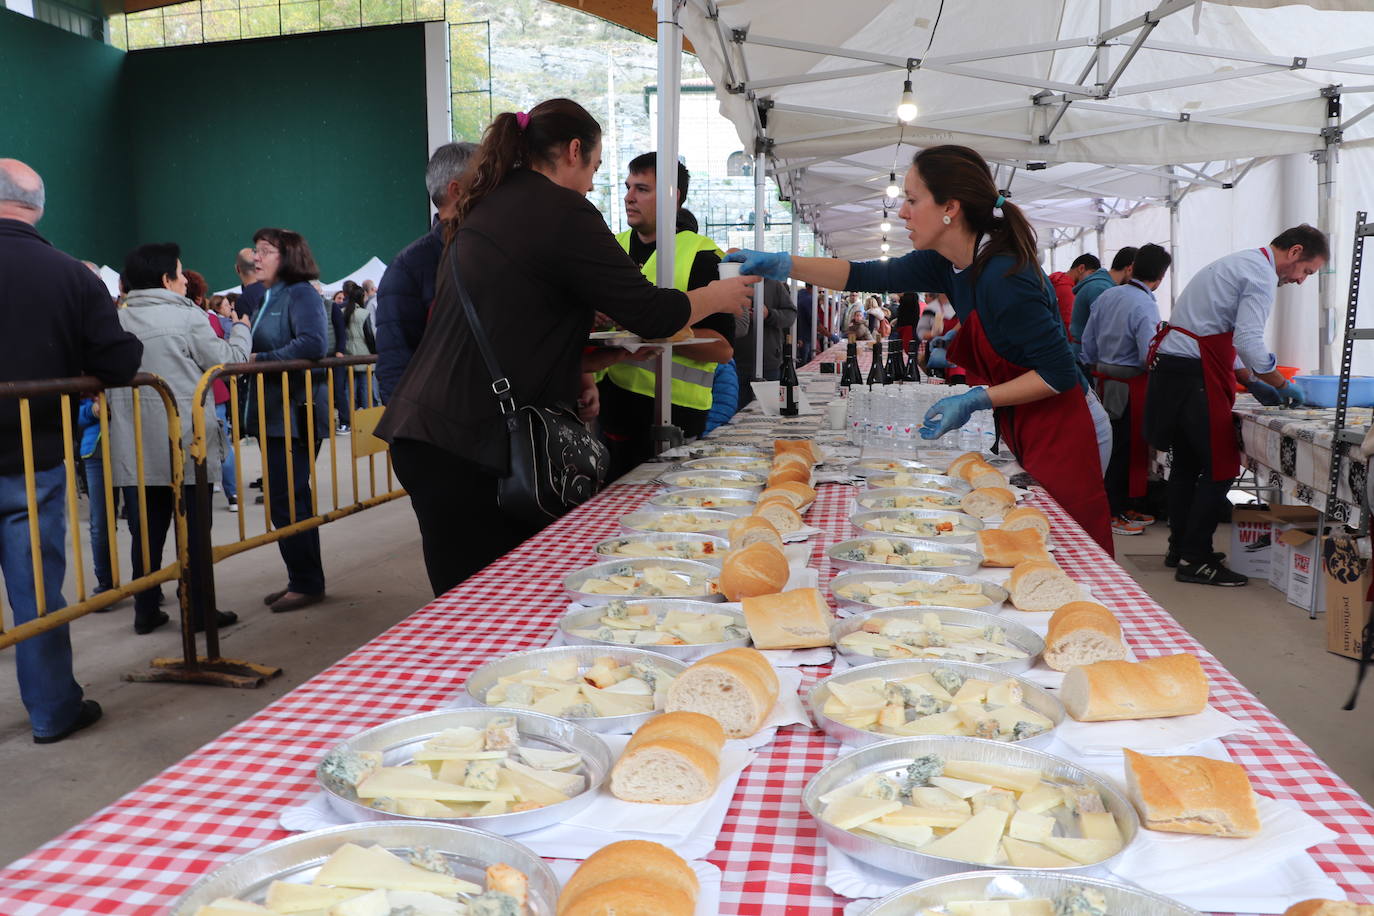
{"x":1123,"y":525}
{"x":1140,"y":518}
{"x":1171,"y":559}
{"x":233,"y":503}
{"x":1210,"y":573}
{"x":341,"y":429}
{"x":256,"y":484}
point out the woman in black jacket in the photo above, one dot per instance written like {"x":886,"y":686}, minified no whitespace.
{"x":538,"y":261}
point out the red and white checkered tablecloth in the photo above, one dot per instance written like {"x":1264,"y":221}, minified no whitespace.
{"x":222,"y":801}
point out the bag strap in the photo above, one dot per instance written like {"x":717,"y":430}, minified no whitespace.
{"x":500,"y":384}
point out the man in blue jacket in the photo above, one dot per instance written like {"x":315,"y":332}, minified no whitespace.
{"x":56,"y":322}
{"x":407,"y":288}
{"x":1091,"y":281}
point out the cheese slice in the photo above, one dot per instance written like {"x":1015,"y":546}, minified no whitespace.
{"x":858,"y":696}
{"x":423,"y":807}
{"x":1083,"y":850}
{"x":1099,"y":825}
{"x":394,"y":782}
{"x":284,"y":897}
{"x":913,"y":835}
{"x":1040,"y":799}
{"x":977,"y":840}
{"x":616,"y":704}
{"x":228,"y":906}
{"x":554,"y":704}
{"x":1018,"y":779}
{"x":373,"y":867}
{"x":549,"y":760}
{"x":568,"y":783}
{"x":1022,"y":854}
{"x":1031,"y":827}
{"x":935,"y":797}
{"x":425,"y":903}
{"x":927,"y":817}
{"x":972,"y":691}
{"x":941,"y":723}
{"x":375,"y":903}
{"x":963,"y":788}
{"x":530,"y":790}
{"x":1039,"y":906}
{"x":848,"y":813}
{"x":439,"y":755}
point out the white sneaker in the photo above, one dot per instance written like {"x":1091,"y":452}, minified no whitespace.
{"x":1124,"y":526}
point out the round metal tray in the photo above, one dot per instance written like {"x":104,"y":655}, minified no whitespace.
{"x":996,"y":594}
{"x":887,"y":756}
{"x":930,"y":499}
{"x":399,"y":740}
{"x":485,"y":676}
{"x":633,"y":522}
{"x":740,"y":501}
{"x":866,"y":467}
{"x":1036,"y":697}
{"x":970,"y":559}
{"x":932,"y":895}
{"x":756,"y":464}
{"x":965,"y":531}
{"x":1019,"y":635}
{"x":577,"y":620}
{"x":297,"y":859}
{"x":605,"y":551}
{"x":880,"y":480}
{"x":703,"y":572}
{"x":703,"y":450}
{"x":713,"y":480}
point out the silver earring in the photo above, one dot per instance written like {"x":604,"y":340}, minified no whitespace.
{"x":947,"y":220}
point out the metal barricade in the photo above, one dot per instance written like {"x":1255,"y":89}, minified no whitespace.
{"x":47,"y":618}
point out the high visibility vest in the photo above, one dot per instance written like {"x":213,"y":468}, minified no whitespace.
{"x":692,"y":378}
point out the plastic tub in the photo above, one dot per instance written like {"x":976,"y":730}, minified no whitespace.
{"x":1321,"y":390}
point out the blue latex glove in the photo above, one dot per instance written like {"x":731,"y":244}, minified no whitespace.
{"x":773,"y":265}
{"x":1291,"y":395}
{"x":1264,"y":392}
{"x":953,"y":412}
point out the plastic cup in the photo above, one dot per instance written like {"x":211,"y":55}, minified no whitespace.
{"x":729,"y":269}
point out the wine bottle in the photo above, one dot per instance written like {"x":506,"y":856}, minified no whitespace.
{"x":896,"y":366}
{"x":876,"y":374}
{"x":913,"y":366}
{"x":788,"y":379}
{"x":850,"y":375}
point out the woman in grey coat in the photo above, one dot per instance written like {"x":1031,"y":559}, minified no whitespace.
{"x":179,"y":346}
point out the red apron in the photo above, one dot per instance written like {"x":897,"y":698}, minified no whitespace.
{"x":1139,"y":469}
{"x":1053,"y":438}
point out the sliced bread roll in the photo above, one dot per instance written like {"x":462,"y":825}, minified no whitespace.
{"x":989,"y":476}
{"x":673,"y":759}
{"x":1192,"y":795}
{"x":730,"y":687}
{"x":1082,"y":633}
{"x":781,"y":514}
{"x":1329,"y":908}
{"x":988,"y":502}
{"x":638,"y":896}
{"x":1012,"y":548}
{"x":631,"y":859}
{"x":751,"y":529}
{"x":783,"y":459}
{"x":1041,"y":586}
{"x":802,"y":446}
{"x":1027,"y":517}
{"x":758,"y":569}
{"x":799,"y":619}
{"x":1156,"y":688}
{"x":799,"y":495}
{"x":790,"y":472}
{"x":956,"y":467}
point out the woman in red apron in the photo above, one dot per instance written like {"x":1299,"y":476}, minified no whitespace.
{"x":979,"y":250}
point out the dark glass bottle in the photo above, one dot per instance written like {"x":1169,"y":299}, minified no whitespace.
{"x":896,"y":366}
{"x":851,"y":375}
{"x":788,"y":380}
{"x":913,"y":366}
{"x":876,"y":373}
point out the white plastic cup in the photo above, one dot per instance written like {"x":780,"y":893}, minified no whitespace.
{"x":729,"y":269}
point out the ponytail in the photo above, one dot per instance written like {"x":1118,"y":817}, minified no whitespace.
{"x":521,"y":140}
{"x":959,"y":173}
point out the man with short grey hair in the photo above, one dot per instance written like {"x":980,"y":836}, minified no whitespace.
{"x":407,"y":287}
{"x":56,"y":321}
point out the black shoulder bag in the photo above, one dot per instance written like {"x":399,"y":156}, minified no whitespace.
{"x":556,"y":464}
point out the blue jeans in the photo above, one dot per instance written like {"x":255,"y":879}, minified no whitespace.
{"x":99,"y":521}
{"x":46,"y":685}
{"x":226,"y":475}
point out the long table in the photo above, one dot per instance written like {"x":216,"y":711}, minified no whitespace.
{"x":138,"y":854}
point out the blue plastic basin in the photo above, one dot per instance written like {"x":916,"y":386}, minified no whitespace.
{"x":1321,"y":390}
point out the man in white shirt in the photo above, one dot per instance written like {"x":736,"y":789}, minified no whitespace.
{"x":1219,"y":320}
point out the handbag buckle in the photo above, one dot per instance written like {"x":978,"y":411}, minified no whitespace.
{"x":500,"y":386}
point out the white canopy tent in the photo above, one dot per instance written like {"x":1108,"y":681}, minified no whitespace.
{"x":1095,"y":110}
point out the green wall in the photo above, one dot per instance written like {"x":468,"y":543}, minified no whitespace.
{"x":59,"y":112}
{"x":324,"y":134}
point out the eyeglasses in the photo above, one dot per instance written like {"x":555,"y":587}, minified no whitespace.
{"x":264,"y":250}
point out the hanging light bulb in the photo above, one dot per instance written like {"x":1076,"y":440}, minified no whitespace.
{"x":885,"y":247}
{"x":883,"y":258}
{"x":906,"y":110}
{"x":886,"y":224}
{"x":892,"y":189}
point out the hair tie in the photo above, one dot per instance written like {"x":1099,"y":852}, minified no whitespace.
{"x":522,"y":119}
{"x":997,"y":206}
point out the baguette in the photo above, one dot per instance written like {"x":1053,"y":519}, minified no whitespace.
{"x":1192,"y":795}
{"x":805,"y":447}
{"x":758,"y":569}
{"x":780,"y":513}
{"x":956,"y":467}
{"x":799,"y":619}
{"x":630,"y":859}
{"x":1329,"y":908}
{"x":980,"y":476}
{"x":751,"y":529}
{"x":1041,"y":586}
{"x":1012,"y":548}
{"x":640,"y":895}
{"x":988,"y":502}
{"x":1172,"y":685}
{"x":787,"y":459}
{"x":799,"y":495}
{"x":730,"y":687}
{"x":1082,"y":633}
{"x":673,"y":759}
{"x":789,"y":473}
{"x":1027,"y":517}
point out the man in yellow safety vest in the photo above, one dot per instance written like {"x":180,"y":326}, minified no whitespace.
{"x":627,"y":389}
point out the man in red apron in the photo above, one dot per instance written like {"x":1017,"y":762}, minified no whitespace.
{"x":1220,"y":316}
{"x":1116,"y":342}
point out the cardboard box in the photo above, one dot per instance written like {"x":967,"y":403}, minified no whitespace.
{"x":1252,"y":530}
{"x":1283,"y":519}
{"x":1345,"y":582}
{"x":1303,"y":572}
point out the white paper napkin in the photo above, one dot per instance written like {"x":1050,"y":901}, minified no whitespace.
{"x":789,"y":710}
{"x":1148,"y":736}
{"x":848,"y":877}
{"x":791,"y":658}
{"x":708,"y":877}
{"x":801,"y":534}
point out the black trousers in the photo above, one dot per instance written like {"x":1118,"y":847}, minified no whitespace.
{"x":627,"y":421}
{"x":160,"y":506}
{"x":462,"y":528}
{"x":300,"y":552}
{"x":1176,"y":419}
{"x":1118,"y":477}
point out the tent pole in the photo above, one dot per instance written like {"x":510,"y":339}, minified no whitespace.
{"x":760,"y":202}
{"x":796,"y":285}
{"x":669,"y":102}
{"x":1175,"y":199}
{"x":1326,"y":222}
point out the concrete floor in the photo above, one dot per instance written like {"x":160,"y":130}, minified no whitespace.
{"x":376,"y":578}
